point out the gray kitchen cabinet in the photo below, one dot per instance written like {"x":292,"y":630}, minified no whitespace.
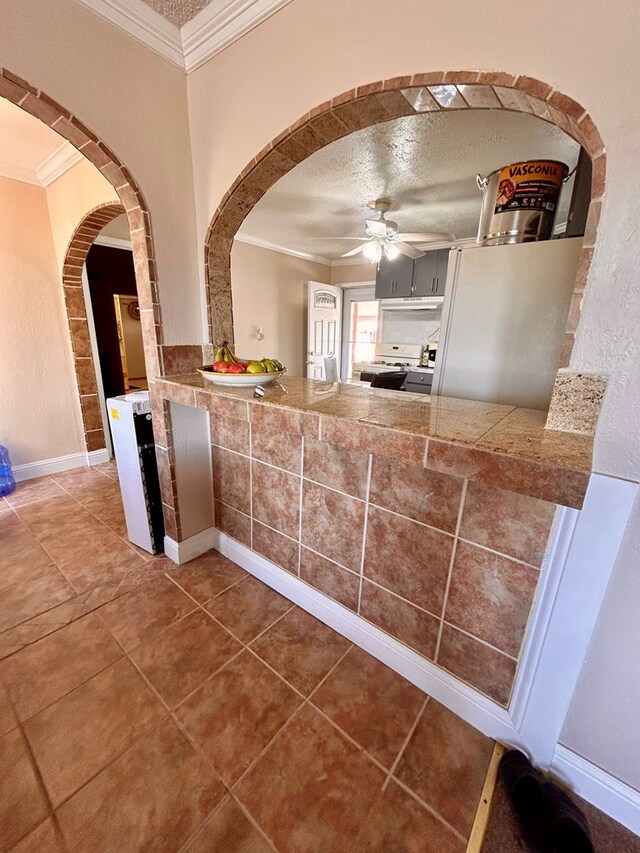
{"x":424,"y":274}
{"x":442,"y":262}
{"x":394,"y":279}
{"x":419,"y":381}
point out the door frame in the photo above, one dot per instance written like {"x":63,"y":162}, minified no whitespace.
{"x":114,"y":243}
{"x":93,"y":341}
{"x":347,"y":299}
{"x":308,"y":351}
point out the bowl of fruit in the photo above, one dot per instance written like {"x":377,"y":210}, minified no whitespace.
{"x":229,"y":369}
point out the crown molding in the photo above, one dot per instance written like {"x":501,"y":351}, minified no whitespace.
{"x":220,"y":24}
{"x":212,"y":30}
{"x":113,"y":242}
{"x":19,"y":173}
{"x":307,"y":256}
{"x":341,"y":262}
{"x":57,"y":163}
{"x":142,"y":23}
{"x":284,"y":250}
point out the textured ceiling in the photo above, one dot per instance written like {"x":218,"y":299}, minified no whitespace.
{"x":25,"y":142}
{"x":178,"y":11}
{"x":427,"y":164}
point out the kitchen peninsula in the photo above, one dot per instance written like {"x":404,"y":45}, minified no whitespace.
{"x":426,"y":516}
{"x":507,"y":446}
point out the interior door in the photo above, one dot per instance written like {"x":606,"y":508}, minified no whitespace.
{"x":324,"y":314}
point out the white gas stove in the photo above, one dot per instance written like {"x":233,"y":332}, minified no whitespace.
{"x":389,"y":356}
{"x":399,"y":355}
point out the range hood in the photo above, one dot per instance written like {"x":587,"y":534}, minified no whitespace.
{"x":412,"y":303}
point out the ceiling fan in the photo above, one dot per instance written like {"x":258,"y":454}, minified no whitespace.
{"x":383,"y":237}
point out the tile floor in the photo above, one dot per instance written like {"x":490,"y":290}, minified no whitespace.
{"x":146,"y":706}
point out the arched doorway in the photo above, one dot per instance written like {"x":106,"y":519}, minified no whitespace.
{"x":379,"y":102}
{"x":81,"y":241}
{"x":132,"y":202}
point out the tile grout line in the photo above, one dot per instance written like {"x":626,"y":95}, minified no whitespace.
{"x":364,"y":530}
{"x":300,"y":505}
{"x":329,"y":560}
{"x":100,"y":521}
{"x":430,"y":809}
{"x":251,"y":515}
{"x":497,"y":423}
{"x":330,"y":672}
{"x":42,"y":788}
{"x":405,"y":743}
{"x":445,"y":598}
{"x":253,"y":821}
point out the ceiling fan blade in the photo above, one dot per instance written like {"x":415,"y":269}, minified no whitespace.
{"x":406,"y":249}
{"x":424,"y":236}
{"x":353,"y":252}
{"x":376,"y":227}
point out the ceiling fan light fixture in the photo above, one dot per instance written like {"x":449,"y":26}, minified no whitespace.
{"x":391,"y":251}
{"x":372,"y":251}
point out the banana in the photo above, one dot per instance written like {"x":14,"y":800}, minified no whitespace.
{"x":229,"y":356}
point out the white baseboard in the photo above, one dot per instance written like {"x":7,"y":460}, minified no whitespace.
{"x":467,"y":703}
{"x":30,"y":470}
{"x":604,"y":791}
{"x":194,"y":546}
{"x":98,"y":457}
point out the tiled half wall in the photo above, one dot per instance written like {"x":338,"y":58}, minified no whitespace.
{"x":446,"y":565}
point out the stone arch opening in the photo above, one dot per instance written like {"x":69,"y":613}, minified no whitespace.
{"x":132,"y":202}
{"x":383,"y":101}
{"x":85,"y":367}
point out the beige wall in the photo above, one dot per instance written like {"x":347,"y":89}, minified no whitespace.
{"x":353,"y":272}
{"x":118,"y":228}
{"x":249,"y":93}
{"x":270,"y":290}
{"x":71,"y":197}
{"x":136,"y":102}
{"x":39,"y":404}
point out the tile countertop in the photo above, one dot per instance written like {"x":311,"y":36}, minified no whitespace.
{"x":504,"y":446}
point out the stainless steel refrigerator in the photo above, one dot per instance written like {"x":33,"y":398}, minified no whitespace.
{"x":503,"y":321}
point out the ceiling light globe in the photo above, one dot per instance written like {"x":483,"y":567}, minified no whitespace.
{"x":391,"y":251}
{"x":372,"y":251}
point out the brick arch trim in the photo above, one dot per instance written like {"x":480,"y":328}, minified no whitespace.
{"x":85,"y":367}
{"x":382,"y":101}
{"x":132,"y":202}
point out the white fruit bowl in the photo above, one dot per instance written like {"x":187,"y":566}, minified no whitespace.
{"x":240,"y":380}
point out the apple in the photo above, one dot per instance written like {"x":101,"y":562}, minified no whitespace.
{"x":236,"y":368}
